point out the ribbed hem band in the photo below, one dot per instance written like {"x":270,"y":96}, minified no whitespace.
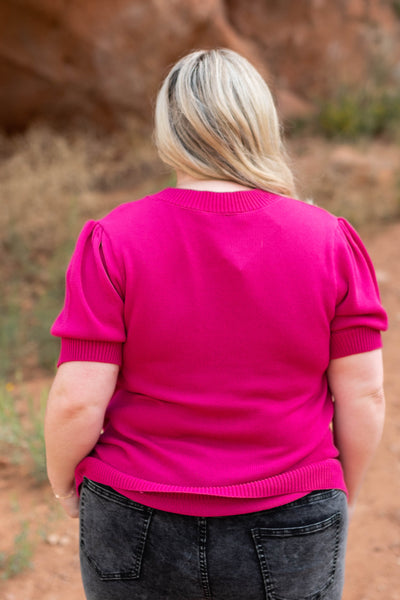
{"x":321,"y":475}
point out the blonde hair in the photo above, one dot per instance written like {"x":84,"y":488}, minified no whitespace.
{"x":215,"y":119}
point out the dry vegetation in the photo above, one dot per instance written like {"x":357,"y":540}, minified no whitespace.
{"x":50,"y":183}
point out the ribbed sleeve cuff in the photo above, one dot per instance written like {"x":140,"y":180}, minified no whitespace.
{"x":354,"y":341}
{"x":89,"y":350}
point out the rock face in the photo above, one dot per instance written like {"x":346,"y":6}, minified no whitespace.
{"x":98,"y":60}
{"x":312,"y":46}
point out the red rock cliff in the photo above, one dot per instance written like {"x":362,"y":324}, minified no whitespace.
{"x":101,"y":59}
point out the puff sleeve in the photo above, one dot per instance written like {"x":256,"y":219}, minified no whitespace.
{"x":91,"y":324}
{"x":359,"y":316}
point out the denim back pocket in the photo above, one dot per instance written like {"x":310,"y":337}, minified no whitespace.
{"x":298,"y":563}
{"x":113,"y":531}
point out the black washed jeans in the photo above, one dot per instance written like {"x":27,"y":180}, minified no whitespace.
{"x":132,"y":552}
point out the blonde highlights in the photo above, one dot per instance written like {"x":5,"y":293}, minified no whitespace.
{"x":215,"y":119}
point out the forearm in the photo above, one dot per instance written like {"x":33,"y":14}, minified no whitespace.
{"x":70,"y":436}
{"x":356,"y":382}
{"x":75,"y":412}
{"x":74,"y":417}
{"x":358,"y":426}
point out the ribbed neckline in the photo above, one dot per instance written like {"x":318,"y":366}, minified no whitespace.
{"x":219,"y":202}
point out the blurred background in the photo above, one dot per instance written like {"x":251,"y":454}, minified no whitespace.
{"x":78,"y":80}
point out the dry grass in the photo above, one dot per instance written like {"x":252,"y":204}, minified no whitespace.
{"x":50,"y":183}
{"x":45,"y":178}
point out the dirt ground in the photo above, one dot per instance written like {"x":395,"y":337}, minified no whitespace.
{"x":373,"y":564}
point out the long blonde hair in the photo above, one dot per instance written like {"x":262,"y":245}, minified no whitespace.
{"x":215,"y":119}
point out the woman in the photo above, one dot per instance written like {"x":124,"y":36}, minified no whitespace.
{"x":205,"y":332}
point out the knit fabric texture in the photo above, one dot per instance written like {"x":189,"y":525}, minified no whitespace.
{"x":223,"y":311}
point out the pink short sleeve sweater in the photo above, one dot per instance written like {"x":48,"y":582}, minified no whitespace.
{"x":223,"y":311}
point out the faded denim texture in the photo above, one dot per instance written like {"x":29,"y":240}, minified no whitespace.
{"x":132,"y":552}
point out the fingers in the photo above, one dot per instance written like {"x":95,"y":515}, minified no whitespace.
{"x":71,"y":506}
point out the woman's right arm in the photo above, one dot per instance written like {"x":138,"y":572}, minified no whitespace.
{"x":356,"y":382}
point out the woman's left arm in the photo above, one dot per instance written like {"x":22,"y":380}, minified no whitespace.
{"x":75,"y":412}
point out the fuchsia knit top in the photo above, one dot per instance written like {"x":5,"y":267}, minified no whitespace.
{"x":223,"y":311}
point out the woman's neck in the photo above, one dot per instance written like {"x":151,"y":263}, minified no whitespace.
{"x":183,"y":180}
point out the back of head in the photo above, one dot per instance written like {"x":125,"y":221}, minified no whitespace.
{"x":216,"y":119}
